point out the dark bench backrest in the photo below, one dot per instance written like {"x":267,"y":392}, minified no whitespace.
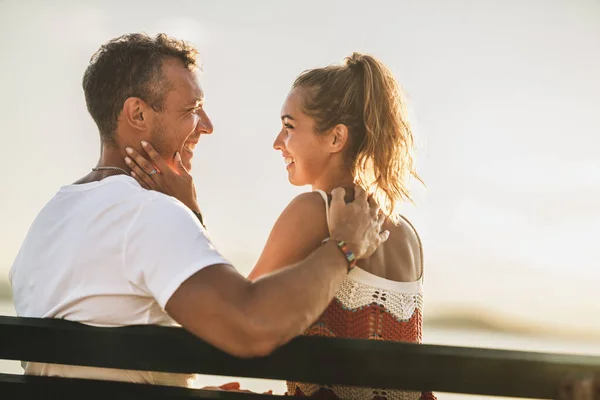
{"x":307,"y":359}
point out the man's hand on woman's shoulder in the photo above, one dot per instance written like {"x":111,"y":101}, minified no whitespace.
{"x":358,"y":223}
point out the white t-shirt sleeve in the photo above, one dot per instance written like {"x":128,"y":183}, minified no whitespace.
{"x":165,"y":245}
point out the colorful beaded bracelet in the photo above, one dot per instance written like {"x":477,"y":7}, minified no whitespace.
{"x":350,"y":257}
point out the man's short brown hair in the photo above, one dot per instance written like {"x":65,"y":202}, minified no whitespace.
{"x":130,"y":66}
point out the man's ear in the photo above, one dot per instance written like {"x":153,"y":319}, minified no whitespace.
{"x":136,"y":113}
{"x":338,"y":138}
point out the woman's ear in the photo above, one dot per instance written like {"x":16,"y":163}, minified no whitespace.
{"x":338,"y":138}
{"x":136,"y":113}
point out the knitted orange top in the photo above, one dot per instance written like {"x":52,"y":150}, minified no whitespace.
{"x":368,"y":307}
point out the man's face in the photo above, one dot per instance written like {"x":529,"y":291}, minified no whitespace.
{"x":182,"y":121}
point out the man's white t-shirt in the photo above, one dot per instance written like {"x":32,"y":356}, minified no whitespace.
{"x":108,"y":253}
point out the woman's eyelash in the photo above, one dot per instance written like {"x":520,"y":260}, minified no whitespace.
{"x":288,"y":126}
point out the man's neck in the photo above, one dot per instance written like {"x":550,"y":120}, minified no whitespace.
{"x":110,"y":156}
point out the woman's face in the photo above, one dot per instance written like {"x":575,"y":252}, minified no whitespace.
{"x":304,"y":151}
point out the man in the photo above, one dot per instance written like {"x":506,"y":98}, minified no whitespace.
{"x":107,"y":252}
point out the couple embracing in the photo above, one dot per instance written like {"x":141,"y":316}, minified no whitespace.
{"x":126,"y":244}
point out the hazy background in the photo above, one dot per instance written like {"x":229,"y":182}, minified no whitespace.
{"x":505,"y":103}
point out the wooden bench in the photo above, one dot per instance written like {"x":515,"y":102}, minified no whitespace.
{"x":307,"y":359}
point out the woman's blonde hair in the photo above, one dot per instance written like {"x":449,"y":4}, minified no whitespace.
{"x":363,"y":94}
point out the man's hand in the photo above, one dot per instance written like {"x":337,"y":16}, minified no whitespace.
{"x":358,"y":223}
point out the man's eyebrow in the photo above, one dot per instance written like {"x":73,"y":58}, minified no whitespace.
{"x":288,"y":116}
{"x":197,"y":102}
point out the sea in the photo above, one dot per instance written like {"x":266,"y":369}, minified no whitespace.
{"x":435,"y":334}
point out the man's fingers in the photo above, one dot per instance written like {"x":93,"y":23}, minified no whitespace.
{"x":372,"y":201}
{"x":337,"y":196}
{"x":375,"y":210}
{"x":154,"y":156}
{"x":144,"y":164}
{"x":381,"y":220}
{"x":383,"y":236}
{"x":359,"y":194}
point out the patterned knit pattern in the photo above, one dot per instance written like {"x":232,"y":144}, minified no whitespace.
{"x":368,"y":307}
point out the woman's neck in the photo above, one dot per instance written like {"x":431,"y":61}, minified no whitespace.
{"x":342,"y":179}
{"x":336,"y":173}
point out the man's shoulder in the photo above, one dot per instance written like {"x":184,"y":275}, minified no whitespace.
{"x":164,"y":210}
{"x":127,"y":198}
{"x":159,"y":201}
{"x":128,"y":190}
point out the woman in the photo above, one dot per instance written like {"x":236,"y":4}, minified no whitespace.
{"x":341,"y":125}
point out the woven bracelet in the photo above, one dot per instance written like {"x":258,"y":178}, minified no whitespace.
{"x":349,"y":254}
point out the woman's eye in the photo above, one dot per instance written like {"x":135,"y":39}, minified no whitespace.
{"x":288,"y":126}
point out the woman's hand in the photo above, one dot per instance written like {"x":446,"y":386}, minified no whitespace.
{"x":156,"y":174}
{"x":232,"y":387}
{"x":579,"y":388}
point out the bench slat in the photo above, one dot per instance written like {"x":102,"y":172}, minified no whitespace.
{"x":307,"y":359}
{"x":42,"y":387}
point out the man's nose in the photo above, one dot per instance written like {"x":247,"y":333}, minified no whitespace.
{"x":205,"y":126}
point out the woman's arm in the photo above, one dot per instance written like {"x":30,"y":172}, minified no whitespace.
{"x":298,"y":231}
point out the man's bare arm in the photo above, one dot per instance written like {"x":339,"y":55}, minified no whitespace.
{"x":252,"y":318}
{"x":249,"y":319}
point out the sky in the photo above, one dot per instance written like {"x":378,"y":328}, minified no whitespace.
{"x":504,"y":97}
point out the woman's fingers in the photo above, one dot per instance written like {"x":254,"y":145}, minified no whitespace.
{"x":141,"y":161}
{"x":139,"y":180}
{"x":230,"y":386}
{"x":154,"y":173}
{"x":155,"y":158}
{"x":181,"y":170}
{"x":140,"y":175}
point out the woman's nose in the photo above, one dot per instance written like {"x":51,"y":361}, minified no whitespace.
{"x":278,"y":143}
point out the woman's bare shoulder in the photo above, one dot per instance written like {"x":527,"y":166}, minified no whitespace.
{"x":297,"y":232}
{"x":408,"y":233}
{"x":403,"y":252}
{"x":311,"y":202}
